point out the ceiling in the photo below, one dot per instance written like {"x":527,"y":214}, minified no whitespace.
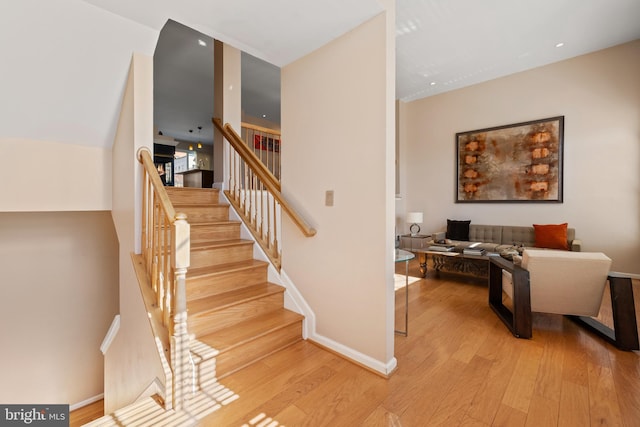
{"x":441,"y":45}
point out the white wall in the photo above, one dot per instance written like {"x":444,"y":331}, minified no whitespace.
{"x":338,"y":124}
{"x":599,"y":95}
{"x":64,"y":65}
{"x":58,"y":295}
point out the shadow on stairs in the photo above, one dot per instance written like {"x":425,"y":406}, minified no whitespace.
{"x":235,"y":316}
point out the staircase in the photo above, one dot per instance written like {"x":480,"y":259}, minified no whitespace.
{"x":234,"y":314}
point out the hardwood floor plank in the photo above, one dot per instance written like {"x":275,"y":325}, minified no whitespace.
{"x":522,"y":383}
{"x":86,"y":414}
{"x":543,"y":412}
{"x":344,"y":399}
{"x":292,"y":392}
{"x":625,"y":367}
{"x":574,"y":405}
{"x":458,"y":366}
{"x":549,"y":380}
{"x":505,"y":357}
{"x":509,"y":417}
{"x":603,"y":402}
{"x":458,"y":400}
{"x":472,"y":422}
{"x":432,"y":394}
{"x":380,"y":417}
{"x":574,"y":367}
{"x":291,"y":416}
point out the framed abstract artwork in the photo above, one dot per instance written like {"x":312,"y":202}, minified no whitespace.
{"x":521,"y":162}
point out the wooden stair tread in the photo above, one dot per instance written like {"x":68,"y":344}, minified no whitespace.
{"x":178,"y":205}
{"x":226,"y":339}
{"x":220,"y":243}
{"x":178,"y":191}
{"x":231,"y":298}
{"x":225,"y":268}
{"x":213,"y":223}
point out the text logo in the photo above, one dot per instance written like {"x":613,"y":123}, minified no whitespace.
{"x":34,"y":415}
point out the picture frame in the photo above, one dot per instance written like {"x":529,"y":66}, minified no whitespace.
{"x":262,"y":142}
{"x":521,"y":162}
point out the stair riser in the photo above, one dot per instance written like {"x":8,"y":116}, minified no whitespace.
{"x":210,"y":213}
{"x":230,"y":361}
{"x":205,"y":323}
{"x":220,"y":255}
{"x":212,"y":285}
{"x":193,"y":196}
{"x":214,"y":232}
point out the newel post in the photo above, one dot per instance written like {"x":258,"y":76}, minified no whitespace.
{"x":180,"y":354}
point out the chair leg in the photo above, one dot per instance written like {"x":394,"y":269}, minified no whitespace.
{"x":517,"y":321}
{"x":625,"y":323}
{"x":624,"y":334}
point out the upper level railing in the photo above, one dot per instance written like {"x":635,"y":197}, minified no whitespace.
{"x":166,"y":251}
{"x":265,"y":144}
{"x":255,"y":193}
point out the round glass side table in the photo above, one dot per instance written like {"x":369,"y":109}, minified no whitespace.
{"x":405,"y":256}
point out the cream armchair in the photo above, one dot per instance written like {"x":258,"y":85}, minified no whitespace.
{"x":563,"y":282}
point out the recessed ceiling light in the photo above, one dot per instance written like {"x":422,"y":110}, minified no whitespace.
{"x":264,"y":115}
{"x":560,"y":44}
{"x":202,"y":42}
{"x":432,"y":83}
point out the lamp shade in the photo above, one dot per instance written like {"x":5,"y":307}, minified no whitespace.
{"x":414,"y":218}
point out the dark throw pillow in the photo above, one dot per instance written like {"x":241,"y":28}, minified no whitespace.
{"x":551,"y":236}
{"x":458,"y":230}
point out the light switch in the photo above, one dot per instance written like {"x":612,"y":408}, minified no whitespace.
{"x":328,"y":198}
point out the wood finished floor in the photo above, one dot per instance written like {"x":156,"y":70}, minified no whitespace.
{"x":459,"y":366}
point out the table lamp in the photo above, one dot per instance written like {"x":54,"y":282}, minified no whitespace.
{"x":414,"y":218}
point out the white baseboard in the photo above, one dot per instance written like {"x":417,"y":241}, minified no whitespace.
{"x":86,"y":402}
{"x":155,"y":387}
{"x":294,"y":301}
{"x":111,"y":334}
{"x":360,"y":358}
{"x":298,"y":304}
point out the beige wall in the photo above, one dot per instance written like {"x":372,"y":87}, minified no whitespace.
{"x":58,"y":295}
{"x":132,"y":362}
{"x":51,"y":176}
{"x":57,"y":126}
{"x":335,"y":110}
{"x":599,"y":95}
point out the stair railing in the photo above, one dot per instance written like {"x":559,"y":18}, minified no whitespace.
{"x":166,"y":251}
{"x":265,"y":144}
{"x":255,"y":194}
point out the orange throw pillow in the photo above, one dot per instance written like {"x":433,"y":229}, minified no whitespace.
{"x":551,"y":236}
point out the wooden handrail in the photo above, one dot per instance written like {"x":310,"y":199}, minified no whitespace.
{"x":247,"y":155}
{"x":260,"y":129}
{"x":267,"y":178}
{"x":145,"y":158}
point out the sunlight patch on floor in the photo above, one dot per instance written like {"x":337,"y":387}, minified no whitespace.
{"x":399,"y":280}
{"x":262,"y":420}
{"x":147,"y":412}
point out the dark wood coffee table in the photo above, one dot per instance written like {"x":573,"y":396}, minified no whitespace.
{"x":455,"y":262}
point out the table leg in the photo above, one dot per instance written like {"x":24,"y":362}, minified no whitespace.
{"x":422,"y":259}
{"x":406,"y":301}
